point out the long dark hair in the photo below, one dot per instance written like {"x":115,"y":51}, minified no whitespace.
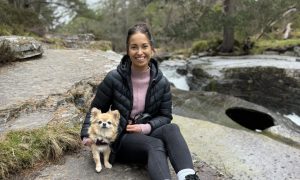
{"x":141,"y":28}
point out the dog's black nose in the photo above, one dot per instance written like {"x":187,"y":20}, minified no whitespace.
{"x":104,"y":125}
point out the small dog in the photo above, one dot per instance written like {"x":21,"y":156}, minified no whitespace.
{"x":103,"y":131}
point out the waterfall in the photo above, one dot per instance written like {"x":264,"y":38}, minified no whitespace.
{"x":168,"y":68}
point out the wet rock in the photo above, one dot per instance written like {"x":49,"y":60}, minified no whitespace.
{"x":24,"y":47}
{"x":297,"y":51}
{"x":81,"y":166}
{"x":239,"y":153}
{"x":213,"y":107}
{"x":273,"y":83}
{"x":288,"y":50}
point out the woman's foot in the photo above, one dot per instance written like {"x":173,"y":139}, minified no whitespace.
{"x":192,"y":177}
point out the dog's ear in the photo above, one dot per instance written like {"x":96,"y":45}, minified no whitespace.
{"x":95,"y":111}
{"x":116,"y":114}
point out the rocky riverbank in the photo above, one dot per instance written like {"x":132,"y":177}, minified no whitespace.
{"x":59,"y":86}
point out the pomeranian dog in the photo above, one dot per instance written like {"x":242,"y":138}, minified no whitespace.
{"x":103,"y":131}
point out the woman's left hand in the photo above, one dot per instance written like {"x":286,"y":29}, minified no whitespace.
{"x":134,"y":128}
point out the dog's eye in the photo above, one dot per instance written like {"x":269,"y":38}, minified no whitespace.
{"x":100,"y":122}
{"x":108,"y":122}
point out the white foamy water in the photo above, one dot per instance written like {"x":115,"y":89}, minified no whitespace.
{"x":293,"y":117}
{"x":169,"y":70}
{"x":178,"y":80}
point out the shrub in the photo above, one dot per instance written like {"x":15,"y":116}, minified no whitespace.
{"x":205,"y":45}
{"x":7,"y":55}
{"x":200,"y":46}
{"x":19,"y":21}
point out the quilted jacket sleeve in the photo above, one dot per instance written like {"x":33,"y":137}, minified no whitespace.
{"x":164,"y":115}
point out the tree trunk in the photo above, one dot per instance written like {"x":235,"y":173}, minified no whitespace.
{"x":228,"y":29}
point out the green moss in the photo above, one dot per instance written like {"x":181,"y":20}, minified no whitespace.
{"x":261,"y":45}
{"x":205,"y":45}
{"x":199,"y":46}
{"x":22,"y":149}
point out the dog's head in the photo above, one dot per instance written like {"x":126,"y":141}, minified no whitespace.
{"x":104,"y":122}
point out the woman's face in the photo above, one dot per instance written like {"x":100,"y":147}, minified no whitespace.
{"x":139,"y":51}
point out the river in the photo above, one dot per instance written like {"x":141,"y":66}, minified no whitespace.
{"x":179,"y":81}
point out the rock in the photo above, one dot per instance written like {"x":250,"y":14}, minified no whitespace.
{"x":280,"y":131}
{"x":182,"y":70}
{"x":24,"y":47}
{"x":162,"y":56}
{"x":229,"y":151}
{"x":289,"y":53}
{"x":270,"y":82}
{"x":297,"y":51}
{"x":77,"y":41}
{"x":81,"y":166}
{"x":194,"y":57}
{"x":271,"y":52}
{"x":212,"y":106}
{"x":291,"y":50}
{"x":239,"y":153}
{"x":202,"y":54}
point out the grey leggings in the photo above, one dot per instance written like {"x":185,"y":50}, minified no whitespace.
{"x":153,"y":149}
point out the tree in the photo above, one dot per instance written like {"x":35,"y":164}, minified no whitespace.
{"x":228,"y":28}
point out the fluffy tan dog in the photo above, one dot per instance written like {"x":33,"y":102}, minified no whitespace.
{"x":103,"y":131}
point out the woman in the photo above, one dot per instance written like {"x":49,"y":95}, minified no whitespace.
{"x":138,"y":88}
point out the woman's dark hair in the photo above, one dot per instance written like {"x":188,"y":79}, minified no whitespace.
{"x":141,"y":28}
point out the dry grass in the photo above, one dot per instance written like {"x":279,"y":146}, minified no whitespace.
{"x":22,"y":149}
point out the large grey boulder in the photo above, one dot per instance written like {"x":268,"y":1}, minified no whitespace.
{"x":24,"y":47}
{"x":235,"y":113}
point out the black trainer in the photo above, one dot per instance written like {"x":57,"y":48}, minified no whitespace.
{"x":192,"y":177}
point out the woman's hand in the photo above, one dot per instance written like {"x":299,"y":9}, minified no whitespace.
{"x":134,"y":128}
{"x":87,"y":141}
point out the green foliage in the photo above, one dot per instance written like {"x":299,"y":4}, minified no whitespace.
{"x":22,"y":149}
{"x":199,"y":46}
{"x":18,"y":21}
{"x":82,"y":25}
{"x":205,"y":45}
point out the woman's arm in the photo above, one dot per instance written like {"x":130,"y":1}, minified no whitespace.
{"x":165,"y":109}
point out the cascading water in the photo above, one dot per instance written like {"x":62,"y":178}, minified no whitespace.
{"x":169,"y":70}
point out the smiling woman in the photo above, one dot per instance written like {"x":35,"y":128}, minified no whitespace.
{"x":138,"y":88}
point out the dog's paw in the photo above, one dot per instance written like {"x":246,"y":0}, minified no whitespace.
{"x":108,"y":165}
{"x":98,"y":168}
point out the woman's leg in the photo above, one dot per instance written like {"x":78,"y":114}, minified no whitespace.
{"x":139,"y":148}
{"x":177,"y":149}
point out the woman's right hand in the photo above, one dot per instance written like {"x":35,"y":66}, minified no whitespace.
{"x":87,"y":141}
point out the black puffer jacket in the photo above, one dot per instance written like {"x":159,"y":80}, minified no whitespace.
{"x":116,"y":91}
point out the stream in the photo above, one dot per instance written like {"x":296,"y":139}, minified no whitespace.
{"x":169,"y":69}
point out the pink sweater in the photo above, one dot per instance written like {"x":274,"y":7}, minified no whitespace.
{"x":140,"y":84}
